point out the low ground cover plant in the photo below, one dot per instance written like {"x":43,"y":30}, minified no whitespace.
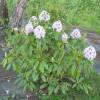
{"x":49,"y":60}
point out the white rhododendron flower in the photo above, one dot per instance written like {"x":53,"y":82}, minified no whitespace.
{"x":39,"y":32}
{"x":28,"y":28}
{"x":33,"y":20}
{"x":90,"y":53}
{"x":57,"y":26}
{"x":76,"y":34}
{"x":64,"y":37}
{"x":15,"y":29}
{"x":44,"y":15}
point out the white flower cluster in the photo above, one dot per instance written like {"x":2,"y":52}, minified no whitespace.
{"x":57,"y":25}
{"x":44,"y":15}
{"x":39,"y":32}
{"x":64,"y":37}
{"x":33,"y":26}
{"x":76,"y":34}
{"x":28,"y":28}
{"x":90,"y":53}
{"x":33,"y":20}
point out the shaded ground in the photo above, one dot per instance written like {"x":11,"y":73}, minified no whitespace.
{"x":7,"y":78}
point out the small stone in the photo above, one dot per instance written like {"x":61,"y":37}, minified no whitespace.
{"x":7,"y":91}
{"x":8,"y":80}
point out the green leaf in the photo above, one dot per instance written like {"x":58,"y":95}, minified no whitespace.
{"x":43,"y":78}
{"x":85,"y":89}
{"x":32,"y":86}
{"x":43,"y":86}
{"x":9,"y":67}
{"x":73,"y":70}
{"x":36,"y":65}
{"x":50,"y":89}
{"x":43,"y":66}
{"x":64,"y":88}
{"x":35,"y":76}
{"x":74,"y":85}
{"x":5,"y":62}
{"x":56,"y":89}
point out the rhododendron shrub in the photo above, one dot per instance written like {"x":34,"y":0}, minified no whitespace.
{"x":47,"y":59}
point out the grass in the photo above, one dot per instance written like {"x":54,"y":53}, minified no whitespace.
{"x":11,"y":5}
{"x":84,"y":13}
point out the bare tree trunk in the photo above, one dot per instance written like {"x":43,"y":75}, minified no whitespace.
{"x":3,"y":9}
{"x":18,"y":13}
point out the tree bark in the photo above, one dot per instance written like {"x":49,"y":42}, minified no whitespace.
{"x":18,"y":13}
{"x":3,"y":9}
